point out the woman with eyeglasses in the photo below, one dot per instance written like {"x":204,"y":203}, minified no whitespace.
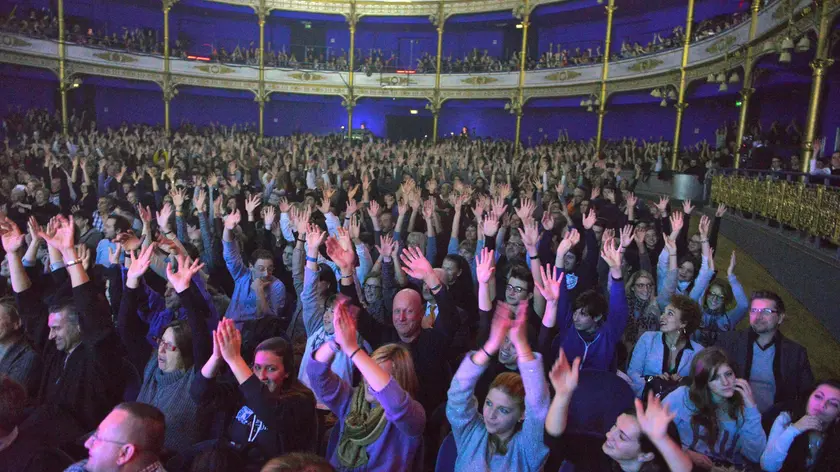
{"x":812,"y":442}
{"x":180,"y":351}
{"x":661,"y":359}
{"x":273,"y":413}
{"x":380,"y":423}
{"x":724,"y":305}
{"x":716,"y":414}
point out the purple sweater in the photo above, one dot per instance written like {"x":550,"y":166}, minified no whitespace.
{"x":399,"y":446}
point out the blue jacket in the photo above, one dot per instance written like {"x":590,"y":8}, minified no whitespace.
{"x":648,"y":357}
{"x":599,"y":353}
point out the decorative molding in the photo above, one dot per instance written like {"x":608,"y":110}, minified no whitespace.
{"x":721,"y":45}
{"x":786,"y":9}
{"x":306,"y":76}
{"x":391,"y":7}
{"x":562,"y":75}
{"x":215,"y":69}
{"x":480,"y":80}
{"x":13,"y":41}
{"x":645,"y":65}
{"x":397,"y":81}
{"x":114,"y":56}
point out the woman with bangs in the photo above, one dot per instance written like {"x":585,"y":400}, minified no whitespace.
{"x":716,"y":414}
{"x":724,"y":305}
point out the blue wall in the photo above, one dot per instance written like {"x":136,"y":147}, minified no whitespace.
{"x":27,"y":87}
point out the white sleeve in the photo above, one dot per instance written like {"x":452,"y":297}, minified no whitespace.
{"x":781,"y":437}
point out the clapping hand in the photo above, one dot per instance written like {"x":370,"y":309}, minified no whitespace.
{"x":654,"y":420}
{"x":229,"y":340}
{"x":12,"y":237}
{"x":345,"y":328}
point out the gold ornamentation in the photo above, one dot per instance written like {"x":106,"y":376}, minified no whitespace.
{"x":563,"y":75}
{"x":645,"y":65}
{"x":306,"y":76}
{"x":480,"y":80}
{"x":216,"y":69}
{"x":785,"y":9}
{"x":112,"y":56}
{"x":13,"y":41}
{"x":721,"y":45}
{"x":397,"y":81}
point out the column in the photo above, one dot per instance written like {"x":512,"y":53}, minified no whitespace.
{"x":819,"y":65}
{"x":604,"y":74}
{"x":350,"y":100}
{"x":169,"y":90}
{"x":261,"y":96}
{"x":62,"y":79}
{"x":523,"y":11}
{"x":436,"y":102}
{"x":747,"y":90}
{"x":681,"y":105}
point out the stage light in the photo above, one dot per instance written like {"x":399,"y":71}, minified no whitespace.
{"x":720,"y":78}
{"x":723,"y":87}
{"x":672,"y":95}
{"x":734,"y":78}
{"x":804,"y":44}
{"x":519,"y":26}
{"x":663,"y":103}
{"x":655,"y":93}
{"x":413,"y":112}
{"x":342,"y":126}
{"x":711,"y":78}
{"x":785,"y":57}
{"x":787,"y":43}
{"x":738,"y":103}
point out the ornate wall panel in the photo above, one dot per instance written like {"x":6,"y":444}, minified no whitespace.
{"x":389,"y":7}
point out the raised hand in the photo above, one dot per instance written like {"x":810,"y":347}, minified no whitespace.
{"x":519,"y":329}
{"x":676,"y":222}
{"x":345,"y":328}
{"x":571,"y":240}
{"x":232,"y":219}
{"x":139,"y":264}
{"x":705,"y":224}
{"x":612,"y":256}
{"x":343,"y":257}
{"x":269,"y":215}
{"x":163,"y":216}
{"x":564,"y":378}
{"x":626,"y":235}
{"x":283,"y":205}
{"x":484,"y":265}
{"x":354,"y":229}
{"x":490,"y":225}
{"x":230,"y":340}
{"x":402,"y":207}
{"x":324,"y":207}
{"x":731,"y":270}
{"x":654,"y":420}
{"x":499,"y":327}
{"x":530,"y":236}
{"x":662,"y":206}
{"x":187,"y":268}
{"x":590,"y":219}
{"x":352,"y":207}
{"x":631,"y":200}
{"x":314,"y":239}
{"x":178,"y":197}
{"x":415,"y":264}
{"x":687,"y":207}
{"x":352,"y":192}
{"x":386,"y":247}
{"x":12,"y":237}
{"x":62,"y":240}
{"x":499,"y":207}
{"x":550,"y":286}
{"x":200,"y":200}
{"x":548,"y":221}
{"x":526,"y":209}
{"x":670,"y":244}
{"x":251,"y":203}
{"x":115,"y":254}
{"x":373,"y":209}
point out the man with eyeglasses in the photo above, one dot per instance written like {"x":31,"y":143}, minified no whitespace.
{"x":129,"y":439}
{"x":777,"y":368}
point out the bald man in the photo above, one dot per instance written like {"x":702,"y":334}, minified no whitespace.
{"x":129,"y":439}
{"x":429,"y":347}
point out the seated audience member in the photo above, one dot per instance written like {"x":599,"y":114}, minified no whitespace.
{"x":83,"y":376}
{"x":257,"y":293}
{"x":380,"y":423}
{"x":181,"y":351}
{"x":129,"y":438}
{"x":20,"y":452}
{"x":811,"y":442}
{"x":724,"y":305}
{"x":298,"y":462}
{"x":18,"y":359}
{"x":590,"y":328}
{"x":506,"y":436}
{"x":662,"y":358}
{"x":643,"y":440}
{"x":275,"y":414}
{"x":777,"y":368}
{"x":716,"y":414}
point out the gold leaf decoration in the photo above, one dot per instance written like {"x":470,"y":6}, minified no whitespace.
{"x":306,"y":76}
{"x":480,"y":80}
{"x":111,"y":56}
{"x":785,"y":9}
{"x":216,"y":69}
{"x":397,"y":81}
{"x":646,"y":65}
{"x":721,"y":45}
{"x":6,"y":40}
{"x":562,"y":75}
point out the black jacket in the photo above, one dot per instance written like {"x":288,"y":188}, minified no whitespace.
{"x":791,"y":368}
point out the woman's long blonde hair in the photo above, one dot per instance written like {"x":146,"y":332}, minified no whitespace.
{"x":403,"y":366}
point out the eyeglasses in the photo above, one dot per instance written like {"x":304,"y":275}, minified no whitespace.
{"x":372,"y":287}
{"x":763,"y":311}
{"x":515,"y":289}
{"x":715,"y":295}
{"x":643,"y":285}
{"x":167,"y":346}
{"x":96,"y":438}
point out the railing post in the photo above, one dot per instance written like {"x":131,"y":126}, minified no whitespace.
{"x":747,"y":90}
{"x":819,"y":65}
{"x":350,"y":103}
{"x":604,"y":74}
{"x":681,"y":103}
{"x":523,"y":12}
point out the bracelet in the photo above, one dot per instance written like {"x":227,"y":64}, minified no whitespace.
{"x":347,"y":276}
{"x":355,"y":352}
{"x":485,"y":352}
{"x":72,"y":263}
{"x":301,"y":240}
{"x":533,"y":257}
{"x":311,"y":259}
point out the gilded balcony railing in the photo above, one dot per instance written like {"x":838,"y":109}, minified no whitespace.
{"x":806,"y":206}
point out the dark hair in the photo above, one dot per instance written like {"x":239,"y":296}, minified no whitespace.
{"x":261,"y":254}
{"x":594,"y":303}
{"x":521,"y":272}
{"x":703,"y":367}
{"x":281,"y":348}
{"x":12,"y":402}
{"x":725,"y":287}
{"x":183,"y":340}
{"x":11,"y":308}
{"x":121,"y":224}
{"x":326,"y":274}
{"x":658,"y":463}
{"x":67,"y":307}
{"x":298,"y":462}
{"x":798,"y":451}
{"x":768,"y":295}
{"x":219,"y":458}
{"x":152,"y":425}
{"x":690,"y":313}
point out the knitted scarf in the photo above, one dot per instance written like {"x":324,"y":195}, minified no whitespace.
{"x":362,"y":427}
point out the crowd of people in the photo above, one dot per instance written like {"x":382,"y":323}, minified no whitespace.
{"x":212,"y":302}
